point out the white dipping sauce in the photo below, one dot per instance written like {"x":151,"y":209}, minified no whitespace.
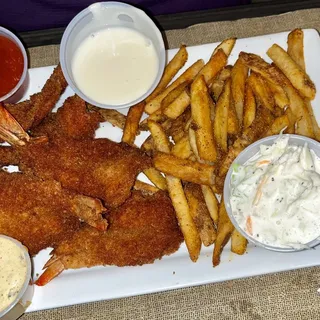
{"x":115,"y":65}
{"x":13,"y":271}
{"x":275,"y":196}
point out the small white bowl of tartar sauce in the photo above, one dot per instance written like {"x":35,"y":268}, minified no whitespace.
{"x":16,"y":288}
{"x":272,"y":193}
{"x":112,"y":55}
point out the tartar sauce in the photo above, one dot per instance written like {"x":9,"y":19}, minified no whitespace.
{"x":13,"y":271}
{"x":115,"y":65}
{"x":275,"y":195}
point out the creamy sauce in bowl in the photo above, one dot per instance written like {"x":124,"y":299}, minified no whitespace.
{"x":115,"y":66}
{"x":275,"y":195}
{"x":13,"y":272}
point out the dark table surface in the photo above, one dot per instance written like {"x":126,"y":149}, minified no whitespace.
{"x":183,"y":20}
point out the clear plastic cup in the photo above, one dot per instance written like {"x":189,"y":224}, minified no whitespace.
{"x":244,"y":156}
{"x":24,"y":298}
{"x":17,"y":92}
{"x":110,"y":14}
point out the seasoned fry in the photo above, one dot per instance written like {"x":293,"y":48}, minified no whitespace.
{"x":172,"y":68}
{"x":261,"y":91}
{"x":226,"y":45}
{"x":249,"y":112}
{"x":178,"y":106}
{"x":297,"y":105}
{"x":220,"y":125}
{"x":278,"y":124}
{"x":193,"y":143}
{"x":233,"y":123}
{"x":211,"y":202}
{"x":179,"y":202}
{"x":155,"y":104}
{"x":131,"y":127}
{"x":213,"y":66}
{"x":259,"y":125}
{"x":160,"y":138}
{"x":315,"y":126}
{"x":238,"y":242}
{"x":280,"y":97}
{"x":295,"y":47}
{"x":116,"y":118}
{"x":225,"y":229}
{"x":177,"y":129}
{"x":200,"y":111}
{"x":184,"y":169}
{"x":145,"y":187}
{"x":296,"y":52}
{"x":156,"y":178}
{"x":239,"y":75}
{"x":182,"y":148}
{"x":188,"y":227}
{"x":292,"y":121}
{"x":217,"y":84}
{"x":299,"y":79}
{"x":200,"y":214}
{"x":147,"y":144}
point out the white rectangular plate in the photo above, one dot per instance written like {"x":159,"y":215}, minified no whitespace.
{"x":175,"y":271}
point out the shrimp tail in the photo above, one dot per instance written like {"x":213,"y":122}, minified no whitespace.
{"x":12,"y":132}
{"x":53,"y":270}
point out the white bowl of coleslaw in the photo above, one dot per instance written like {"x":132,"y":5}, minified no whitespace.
{"x":272,"y":193}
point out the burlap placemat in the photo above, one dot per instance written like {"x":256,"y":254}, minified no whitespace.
{"x":287,"y":295}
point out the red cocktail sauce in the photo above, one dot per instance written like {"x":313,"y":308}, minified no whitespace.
{"x":11,"y":65}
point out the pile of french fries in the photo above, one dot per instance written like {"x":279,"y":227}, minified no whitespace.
{"x":201,"y":121}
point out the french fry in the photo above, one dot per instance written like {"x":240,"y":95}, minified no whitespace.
{"x":299,"y":79}
{"x":159,"y":137}
{"x":200,"y":213}
{"x":172,"y":68}
{"x":200,"y":112}
{"x":115,"y":117}
{"x":297,"y":105}
{"x":239,"y":75}
{"x":182,"y":148}
{"x":260,"y":124}
{"x":238,"y":242}
{"x":213,"y":66}
{"x":278,"y":124}
{"x":295,"y":47}
{"x":178,"y":106}
{"x":147,"y":144}
{"x":226,"y":45}
{"x":217,"y":84}
{"x":296,"y":52}
{"x":292,"y":121}
{"x":261,"y":91}
{"x":211,"y":202}
{"x":131,"y":127}
{"x":249,"y":110}
{"x":177,"y":129}
{"x":233,"y":123}
{"x":155,"y":104}
{"x":225,"y":229}
{"x":184,"y":169}
{"x":156,"y":178}
{"x":145,"y":187}
{"x":220,"y":124}
{"x":280,"y":97}
{"x":209,"y":196}
{"x":209,"y":71}
{"x":258,"y":65}
{"x":179,"y":201}
{"x":193,"y":143}
{"x":187,"y":226}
